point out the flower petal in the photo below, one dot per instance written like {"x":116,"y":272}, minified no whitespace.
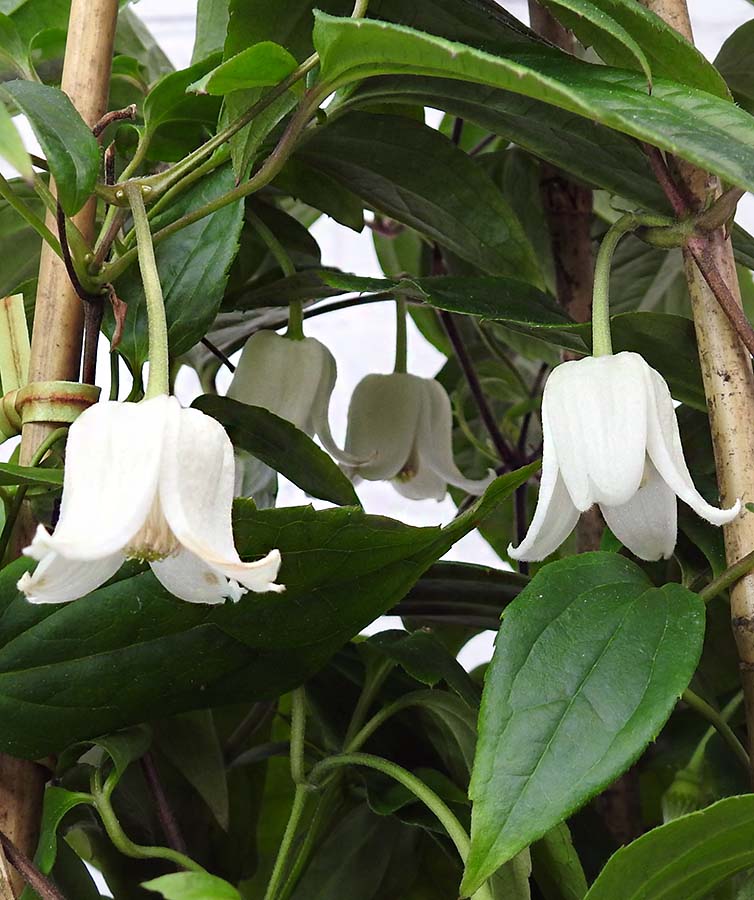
{"x":319,"y":416}
{"x":647,"y":524}
{"x":280,"y":375}
{"x":555,"y":516}
{"x":196,"y":493}
{"x":190,"y":578}
{"x":59,"y":580}
{"x":666,"y":452}
{"x":112,"y":465}
{"x":598,"y":414}
{"x":383,"y":418}
{"x":434,"y":442}
{"x":425,"y":484}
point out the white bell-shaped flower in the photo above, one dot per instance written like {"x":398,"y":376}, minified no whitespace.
{"x":402,"y":425}
{"x":292,"y":379}
{"x":611,"y":437}
{"x":149,"y":481}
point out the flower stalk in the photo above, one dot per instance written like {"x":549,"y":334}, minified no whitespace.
{"x":159,"y":363}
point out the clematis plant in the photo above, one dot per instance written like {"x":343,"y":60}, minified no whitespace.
{"x":610,"y":437}
{"x":148,"y":481}
{"x":293,"y":378}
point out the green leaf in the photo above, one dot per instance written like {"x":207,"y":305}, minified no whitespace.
{"x":57,"y":803}
{"x":736,"y":64}
{"x":341,"y":568}
{"x":422,"y":655}
{"x":415,"y":175}
{"x":556,"y":864}
{"x":664,"y":50}
{"x":323,"y":192}
{"x":168,"y":103}
{"x":594,"y":154}
{"x":211,"y":28}
{"x":193,"y":265}
{"x":13,"y":51}
{"x":282,"y":446}
{"x":684,"y":859}
{"x":133,"y":38}
{"x":722,"y":139}
{"x":192,"y":886}
{"x":595,"y":27}
{"x":261,"y":65}
{"x":191,"y":744}
{"x":590,"y":647}
{"x":10,"y":473}
{"x":68,"y":144}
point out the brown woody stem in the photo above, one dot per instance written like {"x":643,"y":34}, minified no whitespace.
{"x":726,"y":371}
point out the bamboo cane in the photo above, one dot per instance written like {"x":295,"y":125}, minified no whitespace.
{"x":56,"y":346}
{"x":729,"y":386}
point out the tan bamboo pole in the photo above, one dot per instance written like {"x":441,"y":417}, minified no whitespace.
{"x":729,"y":386}
{"x":56,"y":344}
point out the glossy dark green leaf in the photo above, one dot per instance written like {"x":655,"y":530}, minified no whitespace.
{"x":19,"y":243}
{"x":68,"y":144}
{"x":424,"y":657}
{"x":595,"y":26}
{"x":211,"y":28}
{"x":592,"y":153}
{"x":590,"y":647}
{"x":193,"y":265}
{"x":281,"y":446}
{"x":341,"y":568}
{"x":323,"y":192}
{"x":13,"y":51}
{"x":666,"y":52}
{"x":168,"y":103}
{"x":415,"y":175}
{"x":722,"y":139}
{"x":556,"y":865}
{"x":10,"y":473}
{"x":58,"y":802}
{"x":736,"y":64}
{"x":191,"y":744}
{"x":133,"y":38}
{"x":685,"y":859}
{"x":354,"y":860}
{"x":192,"y":886}
{"x":260,"y":65}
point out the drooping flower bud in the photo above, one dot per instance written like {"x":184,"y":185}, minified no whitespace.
{"x":402,"y":425}
{"x":292,"y":379}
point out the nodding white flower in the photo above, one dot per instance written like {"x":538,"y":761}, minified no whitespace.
{"x":611,"y":437}
{"x":148,"y":481}
{"x":402,"y":425}
{"x":292,"y":379}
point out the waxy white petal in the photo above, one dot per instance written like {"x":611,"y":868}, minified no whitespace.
{"x":555,"y":516}
{"x":647,"y":524}
{"x":59,"y":580}
{"x":189,"y":578}
{"x":196,"y":492}
{"x":434,"y":441}
{"x":280,"y":375}
{"x":383,"y":418}
{"x":666,"y":452}
{"x":423,"y":485}
{"x":112,"y":467}
{"x":319,"y":416}
{"x":598,"y":412}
